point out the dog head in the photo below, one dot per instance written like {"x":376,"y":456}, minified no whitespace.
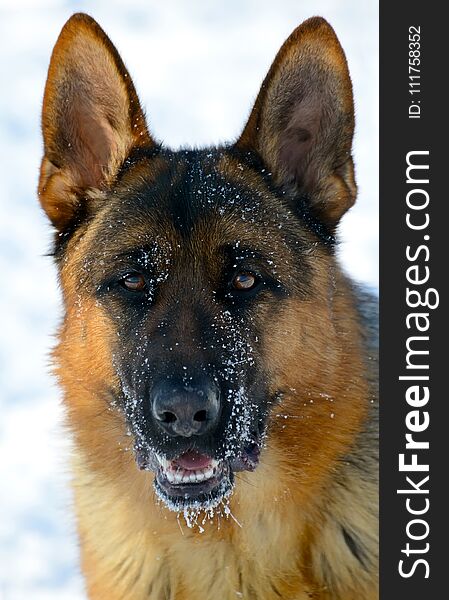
{"x":197,"y":283}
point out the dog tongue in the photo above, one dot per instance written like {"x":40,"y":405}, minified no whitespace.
{"x":193,"y":460}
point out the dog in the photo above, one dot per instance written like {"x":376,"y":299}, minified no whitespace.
{"x":218,"y":367}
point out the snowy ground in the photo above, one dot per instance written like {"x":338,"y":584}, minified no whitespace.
{"x":197,"y":66}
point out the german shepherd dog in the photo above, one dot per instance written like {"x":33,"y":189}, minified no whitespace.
{"x":218,"y":367}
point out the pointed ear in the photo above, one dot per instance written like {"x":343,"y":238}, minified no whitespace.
{"x":91,"y":119}
{"x":303,"y":120}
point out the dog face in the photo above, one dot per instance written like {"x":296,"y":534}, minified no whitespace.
{"x":193,"y":279}
{"x":193,"y":286}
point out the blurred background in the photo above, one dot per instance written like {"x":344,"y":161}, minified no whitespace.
{"x":197,"y":67}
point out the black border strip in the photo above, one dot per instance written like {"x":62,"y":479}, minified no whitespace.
{"x":400,"y":135}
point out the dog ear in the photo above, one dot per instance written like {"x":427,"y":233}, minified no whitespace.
{"x":303,"y":120}
{"x":91,"y":119}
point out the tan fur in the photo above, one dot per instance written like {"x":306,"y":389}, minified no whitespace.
{"x":285,"y":536}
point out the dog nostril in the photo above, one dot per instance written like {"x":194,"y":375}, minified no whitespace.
{"x":167,"y":417}
{"x":200,"y":416}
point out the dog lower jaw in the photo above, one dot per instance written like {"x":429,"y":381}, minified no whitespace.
{"x":194,"y":495}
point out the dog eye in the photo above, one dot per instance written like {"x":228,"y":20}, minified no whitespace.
{"x":245,"y":281}
{"x":134,"y":282}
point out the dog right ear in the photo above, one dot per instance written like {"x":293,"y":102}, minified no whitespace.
{"x":91,"y":119}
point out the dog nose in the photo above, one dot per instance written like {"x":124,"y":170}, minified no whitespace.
{"x":185,"y":410}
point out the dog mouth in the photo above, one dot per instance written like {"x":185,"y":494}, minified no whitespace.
{"x":193,"y":480}
{"x":196,"y":481}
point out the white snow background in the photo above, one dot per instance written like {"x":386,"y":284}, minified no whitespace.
{"x":197,"y":66}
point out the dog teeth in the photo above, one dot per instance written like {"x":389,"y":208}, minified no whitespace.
{"x":208,"y":473}
{"x":177,"y":476}
{"x":163,"y":461}
{"x":170,"y":476}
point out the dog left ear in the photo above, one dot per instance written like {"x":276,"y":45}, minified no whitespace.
{"x":302,"y":123}
{"x":91,"y":119}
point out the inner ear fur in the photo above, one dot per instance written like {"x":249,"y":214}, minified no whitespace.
{"x":302,"y":122}
{"x":91,"y":119}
